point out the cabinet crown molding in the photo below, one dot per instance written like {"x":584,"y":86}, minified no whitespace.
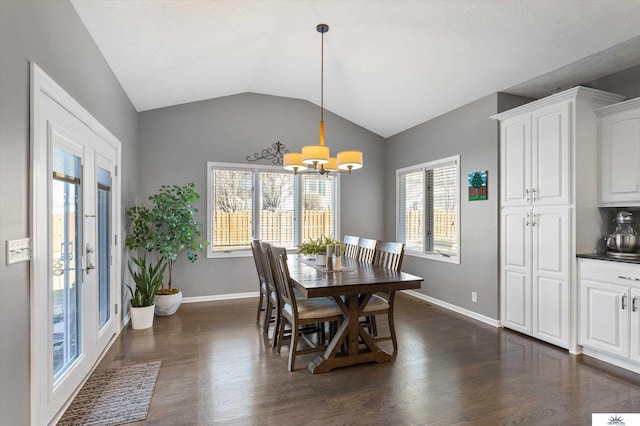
{"x":569,"y":94}
{"x":619,"y":107}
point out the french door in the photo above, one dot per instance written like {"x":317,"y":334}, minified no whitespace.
{"x":75,"y":216}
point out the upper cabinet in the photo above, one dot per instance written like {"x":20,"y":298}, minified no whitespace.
{"x":619,"y":145}
{"x":535,"y":157}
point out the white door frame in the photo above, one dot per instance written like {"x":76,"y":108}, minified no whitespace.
{"x":42,"y":89}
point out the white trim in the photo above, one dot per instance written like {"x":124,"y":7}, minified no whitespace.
{"x":255,"y":169}
{"x":474,"y":315}
{"x":616,"y":108}
{"x":216,"y":297}
{"x":430,"y":165}
{"x":570,"y":94}
{"x":42,"y":87}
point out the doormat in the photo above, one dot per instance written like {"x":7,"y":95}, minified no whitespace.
{"x":114,"y":396}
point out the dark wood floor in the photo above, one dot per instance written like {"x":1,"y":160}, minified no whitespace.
{"x":217,"y":367}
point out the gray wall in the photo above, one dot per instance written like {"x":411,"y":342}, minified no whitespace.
{"x":469,"y":132}
{"x":177,"y":142}
{"x":625,"y":82}
{"x":51,"y":34}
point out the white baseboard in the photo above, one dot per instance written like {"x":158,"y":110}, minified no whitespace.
{"x":215,"y":297}
{"x":476,"y":316}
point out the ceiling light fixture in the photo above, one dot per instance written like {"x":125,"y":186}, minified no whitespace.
{"x":318,"y":156}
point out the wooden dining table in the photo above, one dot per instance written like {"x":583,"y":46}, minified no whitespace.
{"x":351,"y":288}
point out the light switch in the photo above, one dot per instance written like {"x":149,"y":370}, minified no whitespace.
{"x":18,"y":250}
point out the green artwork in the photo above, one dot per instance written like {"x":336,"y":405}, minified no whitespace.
{"x":478,"y":186}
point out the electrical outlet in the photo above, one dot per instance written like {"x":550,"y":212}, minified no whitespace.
{"x":474,"y":297}
{"x":18,"y":251}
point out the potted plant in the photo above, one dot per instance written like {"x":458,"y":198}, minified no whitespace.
{"x":148,"y":280}
{"x":170,"y":229}
{"x":317,"y":248}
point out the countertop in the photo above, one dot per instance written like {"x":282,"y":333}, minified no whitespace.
{"x":605,"y":256}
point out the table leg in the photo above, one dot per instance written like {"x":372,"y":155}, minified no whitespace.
{"x":350,"y":331}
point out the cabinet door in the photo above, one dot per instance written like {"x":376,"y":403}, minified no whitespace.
{"x":604,"y":323}
{"x":619,"y":159}
{"x":550,"y":277}
{"x":550,"y":163}
{"x":515,"y":153}
{"x":635,"y":324}
{"x":516,"y":269}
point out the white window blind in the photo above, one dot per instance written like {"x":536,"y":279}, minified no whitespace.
{"x":318,"y":204}
{"x":427,"y":208}
{"x":265,"y":202}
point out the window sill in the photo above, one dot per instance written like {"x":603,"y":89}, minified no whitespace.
{"x":238,"y":253}
{"x":437,"y":257}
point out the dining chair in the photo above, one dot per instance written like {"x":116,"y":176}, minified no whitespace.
{"x":262,"y":285}
{"x":299,"y":312}
{"x":351,"y":246}
{"x":388,"y":255}
{"x":366,"y":249}
{"x":274,"y":303}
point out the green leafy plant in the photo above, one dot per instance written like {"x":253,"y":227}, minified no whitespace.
{"x":148,"y":280}
{"x":316,"y":247}
{"x":169,"y":227}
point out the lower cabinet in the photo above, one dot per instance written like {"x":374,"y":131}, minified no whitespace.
{"x":535,"y":274}
{"x":609,"y":327}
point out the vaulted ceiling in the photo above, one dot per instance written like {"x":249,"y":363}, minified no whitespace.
{"x":389,"y":65}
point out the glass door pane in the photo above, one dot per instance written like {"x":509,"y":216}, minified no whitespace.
{"x":66,"y":258}
{"x":104,"y":246}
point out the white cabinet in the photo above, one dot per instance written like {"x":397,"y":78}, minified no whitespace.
{"x":548,"y":155}
{"x":535,"y":272}
{"x":610,"y":311}
{"x":619,"y":168}
{"x":535,"y":157}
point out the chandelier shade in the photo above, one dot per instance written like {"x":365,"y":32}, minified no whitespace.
{"x":293,"y":161}
{"x":317,"y":158}
{"x":349,"y":160}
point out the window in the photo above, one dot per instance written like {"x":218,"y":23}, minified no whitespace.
{"x":428,"y":209}
{"x":266,"y":202}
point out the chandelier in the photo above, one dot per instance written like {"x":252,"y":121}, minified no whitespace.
{"x":318,"y":157}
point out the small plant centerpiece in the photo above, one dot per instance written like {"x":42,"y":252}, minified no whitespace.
{"x":317,"y":248}
{"x":148,"y":280}
{"x":169,"y":229}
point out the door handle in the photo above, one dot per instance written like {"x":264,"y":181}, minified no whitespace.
{"x":634,"y":307}
{"x":622,"y":300}
{"x":526,"y":194}
{"x":90,"y":265}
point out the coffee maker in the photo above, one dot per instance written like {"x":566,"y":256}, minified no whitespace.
{"x":624,"y":242}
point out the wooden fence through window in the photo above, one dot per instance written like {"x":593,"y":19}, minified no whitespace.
{"x":232,"y":231}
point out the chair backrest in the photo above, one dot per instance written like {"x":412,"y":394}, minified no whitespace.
{"x":280,"y":272}
{"x":366,"y":249}
{"x":389,"y":255}
{"x":256,"y":249}
{"x":268,"y":275}
{"x":351,"y":246}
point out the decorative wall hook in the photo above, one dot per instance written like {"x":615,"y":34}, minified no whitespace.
{"x":275,"y":153}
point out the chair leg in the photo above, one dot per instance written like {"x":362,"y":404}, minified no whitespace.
{"x":280,"y":334}
{"x":392,"y":328}
{"x":267,"y":316}
{"x":260,"y":306}
{"x":293,"y":347}
{"x":276,"y":329}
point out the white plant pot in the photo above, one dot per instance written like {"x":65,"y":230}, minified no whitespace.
{"x":167,"y":304}
{"x":321,"y":259}
{"x":142,"y":318}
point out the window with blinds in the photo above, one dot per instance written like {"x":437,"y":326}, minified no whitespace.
{"x":427,"y":209}
{"x":265,"y":202}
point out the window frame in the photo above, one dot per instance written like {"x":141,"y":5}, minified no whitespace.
{"x":255,"y":169}
{"x":424,"y":167}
